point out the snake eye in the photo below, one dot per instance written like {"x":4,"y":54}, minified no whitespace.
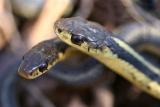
{"x":43,"y":67}
{"x":77,"y":39}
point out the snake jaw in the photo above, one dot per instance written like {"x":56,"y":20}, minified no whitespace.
{"x":29,"y":74}
{"x":37,"y":71}
{"x":33,"y":74}
{"x":22,"y":74}
{"x":25,"y":75}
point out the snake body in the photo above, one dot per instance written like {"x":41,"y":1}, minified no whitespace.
{"x":111,"y":50}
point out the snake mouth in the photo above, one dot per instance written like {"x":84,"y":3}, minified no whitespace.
{"x":29,"y":74}
{"x":24,"y":75}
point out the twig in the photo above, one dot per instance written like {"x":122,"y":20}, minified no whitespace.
{"x":138,"y":14}
{"x":42,"y":29}
{"x":9,"y":28}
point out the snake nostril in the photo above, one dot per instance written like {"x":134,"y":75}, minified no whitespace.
{"x":59,"y":30}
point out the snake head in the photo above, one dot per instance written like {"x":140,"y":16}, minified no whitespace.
{"x":32,"y":65}
{"x":79,"y":31}
{"x":41,"y":57}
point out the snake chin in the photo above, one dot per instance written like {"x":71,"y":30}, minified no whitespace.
{"x":36,"y":74}
{"x":25,"y":75}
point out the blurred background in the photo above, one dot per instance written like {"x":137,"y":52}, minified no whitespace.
{"x":24,"y":23}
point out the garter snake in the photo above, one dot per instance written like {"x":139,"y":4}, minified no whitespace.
{"x":47,"y":53}
{"x":112,"y":51}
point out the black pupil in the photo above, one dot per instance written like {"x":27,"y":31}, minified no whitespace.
{"x":43,"y":67}
{"x":77,"y":39}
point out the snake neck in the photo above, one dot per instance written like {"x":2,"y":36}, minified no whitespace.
{"x":119,"y":54}
{"x":123,"y":60}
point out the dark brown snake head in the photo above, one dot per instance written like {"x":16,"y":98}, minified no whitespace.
{"x":41,"y":58}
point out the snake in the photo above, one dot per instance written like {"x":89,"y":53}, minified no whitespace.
{"x":40,"y":59}
{"x":108,"y":48}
